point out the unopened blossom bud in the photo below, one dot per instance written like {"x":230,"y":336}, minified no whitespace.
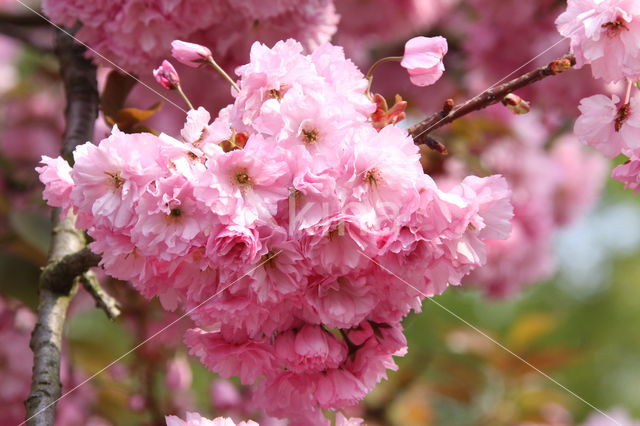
{"x":423,"y":59}
{"x":190,"y":54}
{"x":167,"y":75}
{"x":224,"y":395}
{"x":178,"y":374}
{"x":516,"y":104}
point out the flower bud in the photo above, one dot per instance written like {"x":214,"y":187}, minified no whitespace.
{"x":167,"y":75}
{"x":516,"y":104}
{"x":190,"y":54}
{"x":178,"y":375}
{"x":423,"y":59}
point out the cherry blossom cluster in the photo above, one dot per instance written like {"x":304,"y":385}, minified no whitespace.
{"x":135,"y":34}
{"x":606,"y":35}
{"x":295,"y":233}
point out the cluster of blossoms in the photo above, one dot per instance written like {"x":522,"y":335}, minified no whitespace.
{"x":606,"y":35}
{"x":295,"y":233}
{"x":135,"y":34}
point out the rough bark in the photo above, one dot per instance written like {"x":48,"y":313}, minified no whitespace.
{"x":68,"y":256}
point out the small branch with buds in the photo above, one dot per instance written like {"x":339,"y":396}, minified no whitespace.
{"x":451,"y":112}
{"x":68,"y":255}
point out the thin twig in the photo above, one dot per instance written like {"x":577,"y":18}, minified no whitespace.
{"x":67,"y":255}
{"x":420,"y":131}
{"x":104,"y":301}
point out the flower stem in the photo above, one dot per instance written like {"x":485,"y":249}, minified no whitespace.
{"x":183,"y":96}
{"x":380,"y":61}
{"x":222,"y":72}
{"x":627,"y":96}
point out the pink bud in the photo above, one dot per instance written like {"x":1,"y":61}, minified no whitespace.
{"x":423,"y":59}
{"x":224,"y":395}
{"x":190,"y":53}
{"x":167,"y":75}
{"x":178,"y":374}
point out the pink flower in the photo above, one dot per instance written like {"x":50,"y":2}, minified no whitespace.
{"x":248,"y":359}
{"x":617,"y":415}
{"x":310,"y":349}
{"x":494,"y":214}
{"x":170,"y":220}
{"x":339,"y":302}
{"x":607,"y":126}
{"x":167,"y":75}
{"x":225,"y":395}
{"x":195,"y":419}
{"x":339,"y":388}
{"x":111,"y":177}
{"x":605,"y":34}
{"x":423,"y":59}
{"x":56,"y":177}
{"x":190,"y":54}
{"x":232,"y":247}
{"x":245,"y":185}
{"x":285,"y":390}
{"x":282,"y":269}
{"x":341,"y":420}
{"x":178,"y":376}
{"x":629,"y":173}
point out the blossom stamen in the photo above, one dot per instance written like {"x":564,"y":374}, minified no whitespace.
{"x":309,"y":136}
{"x":242,"y":178}
{"x":373,"y":176}
{"x":623,"y":114}
{"x":614,"y":28}
{"x":116,"y":179}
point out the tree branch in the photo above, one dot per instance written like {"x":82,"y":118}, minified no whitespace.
{"x":103,"y":300}
{"x":25,"y":35}
{"x":67,"y":255}
{"x":23,"y":20}
{"x":420,"y":132}
{"x":59,"y":275}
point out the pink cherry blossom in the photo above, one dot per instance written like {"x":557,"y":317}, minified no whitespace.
{"x":608,"y":126}
{"x":195,"y":419}
{"x":191,"y":54}
{"x":166,"y":75}
{"x":310,"y":349}
{"x":629,"y":173}
{"x":248,"y":360}
{"x":423,"y":59}
{"x":605,"y":34}
{"x":109,"y":178}
{"x":56,"y":177}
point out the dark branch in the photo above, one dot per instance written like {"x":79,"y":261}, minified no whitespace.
{"x":23,"y":20}
{"x":68,"y":254}
{"x":79,"y":77}
{"x":449,"y":113}
{"x":103,"y":300}
{"x":26,"y":36}
{"x":59,"y":274}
